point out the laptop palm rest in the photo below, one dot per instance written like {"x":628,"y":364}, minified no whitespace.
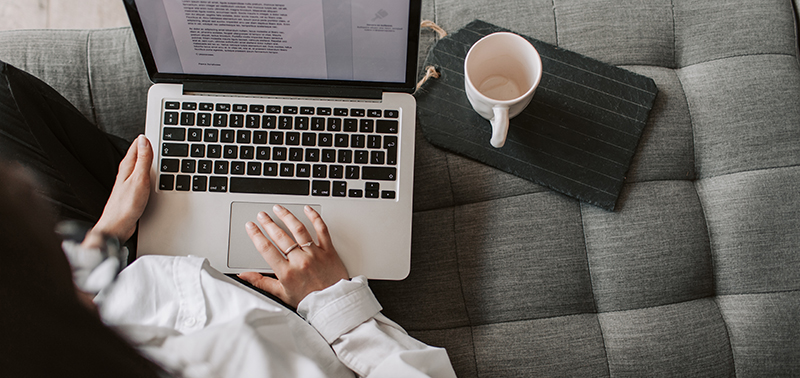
{"x":242,"y":254}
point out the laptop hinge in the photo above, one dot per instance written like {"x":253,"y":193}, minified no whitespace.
{"x":283,"y":90}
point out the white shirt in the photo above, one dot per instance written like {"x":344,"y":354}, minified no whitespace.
{"x":197,"y":322}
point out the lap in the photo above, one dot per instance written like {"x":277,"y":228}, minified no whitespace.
{"x":74,"y":160}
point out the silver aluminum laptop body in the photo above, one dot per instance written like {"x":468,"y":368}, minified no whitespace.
{"x":208,"y":66}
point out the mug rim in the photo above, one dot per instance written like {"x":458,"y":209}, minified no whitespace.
{"x":533,"y":86}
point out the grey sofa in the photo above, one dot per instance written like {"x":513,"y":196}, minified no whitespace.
{"x":697,"y":272}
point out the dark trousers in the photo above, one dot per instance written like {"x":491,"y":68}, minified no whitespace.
{"x":74,"y":160}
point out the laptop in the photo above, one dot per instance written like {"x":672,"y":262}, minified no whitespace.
{"x":302,"y":102}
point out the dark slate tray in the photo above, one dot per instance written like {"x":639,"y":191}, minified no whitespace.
{"x":576,"y":137}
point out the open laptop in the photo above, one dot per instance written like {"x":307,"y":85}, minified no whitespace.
{"x":301,"y":102}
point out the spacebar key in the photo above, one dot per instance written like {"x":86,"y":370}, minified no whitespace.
{"x":269,"y":186}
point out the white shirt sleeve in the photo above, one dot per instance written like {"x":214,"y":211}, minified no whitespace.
{"x":348,"y":316}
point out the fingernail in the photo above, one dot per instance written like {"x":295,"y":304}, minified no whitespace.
{"x":307,"y":208}
{"x":278,"y":208}
{"x":262,"y":215}
{"x":142,"y":141}
{"x":250,"y":225}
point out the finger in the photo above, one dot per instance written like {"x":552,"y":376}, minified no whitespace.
{"x":297,"y":228}
{"x":271,"y":255}
{"x":278,"y":236}
{"x":128,"y":163}
{"x":144,"y":156}
{"x":320,"y":227}
{"x":268,"y":284}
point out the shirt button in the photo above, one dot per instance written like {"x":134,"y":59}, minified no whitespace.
{"x":189,"y":322}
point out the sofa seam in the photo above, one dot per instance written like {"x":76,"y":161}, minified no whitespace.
{"x":591,"y":283}
{"x":674,"y":35}
{"x":555,"y":21}
{"x":89,"y":86}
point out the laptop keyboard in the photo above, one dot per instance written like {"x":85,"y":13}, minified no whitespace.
{"x":271,"y":149}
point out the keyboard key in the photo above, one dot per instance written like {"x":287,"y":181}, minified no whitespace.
{"x":279,"y":153}
{"x":350,"y":125}
{"x":351,"y":172}
{"x":341,"y":140}
{"x":276,"y":137}
{"x":195,"y":135}
{"x":357,"y":112}
{"x":361,"y":157}
{"x":355,"y":193}
{"x":319,"y":171}
{"x":269,"y":186}
{"x":211,"y":135}
{"x":373,"y":141}
{"x":252,"y":121}
{"x":217,"y":184}
{"x":183,"y":183}
{"x":270,"y":169}
{"x":172,"y":105}
{"x":287,"y":170}
{"x":391,"y":113}
{"x":238,"y":167}
{"x":198,"y":150}
{"x":189,"y":106}
{"x":324,"y":111}
{"x":301,"y":123}
{"x":263,"y":153}
{"x":377,"y":157}
{"x":247,"y":152}
{"x":221,"y":167}
{"x":241,"y":108}
{"x":230,"y":152}
{"x":206,"y":106}
{"x":254,"y":168}
{"x":220,"y":119}
{"x":274,"y":109}
{"x":187,"y":119}
{"x":170,"y":118}
{"x":188,"y":166}
{"x":341,"y":112}
{"x":321,"y":188}
{"x":236,"y":120}
{"x":203,"y":119}
{"x":227,"y":136}
{"x":384,"y":126}
{"x":312,"y":155}
{"x":170,"y":165}
{"x":375,"y":113}
{"x":174,"y":133}
{"x":166,"y":182}
{"x":269,"y":122}
{"x":293,"y":139}
{"x":328,"y":155}
{"x":295,"y":154}
{"x":306,"y":110}
{"x":289,"y":110}
{"x":317,"y":124}
{"x":339,"y":189}
{"x":199,"y":183}
{"x":205,"y":166}
{"x":174,"y":149}
{"x":325,"y":140}
{"x":213,"y":151}
{"x":334,"y":124}
{"x":345,"y":156}
{"x":379,"y":173}
{"x":223,"y":107}
{"x":388,"y":194}
{"x":256,"y":108}
{"x":372,"y":186}
{"x":309,"y":139}
{"x":303,"y":170}
{"x":285,"y":123}
{"x":358,"y":140}
{"x":336,"y":171}
{"x":371,"y":194}
{"x":243,"y":136}
{"x":366,"y":125}
{"x":260,"y":137}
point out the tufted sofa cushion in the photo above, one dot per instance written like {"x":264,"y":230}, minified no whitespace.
{"x":696,"y":274}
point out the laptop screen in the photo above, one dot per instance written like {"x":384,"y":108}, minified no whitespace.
{"x":359,"y":42}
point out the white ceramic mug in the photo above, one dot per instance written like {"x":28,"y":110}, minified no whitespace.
{"x":501,"y":72}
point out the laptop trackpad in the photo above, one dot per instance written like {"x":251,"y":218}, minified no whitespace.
{"x":242,"y":254}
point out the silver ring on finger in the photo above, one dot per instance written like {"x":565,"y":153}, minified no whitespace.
{"x":291,"y":248}
{"x":305,"y":245}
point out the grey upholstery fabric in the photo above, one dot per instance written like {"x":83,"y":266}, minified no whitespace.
{"x":696,"y":274}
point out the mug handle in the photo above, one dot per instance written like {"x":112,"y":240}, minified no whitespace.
{"x":499,"y":126}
